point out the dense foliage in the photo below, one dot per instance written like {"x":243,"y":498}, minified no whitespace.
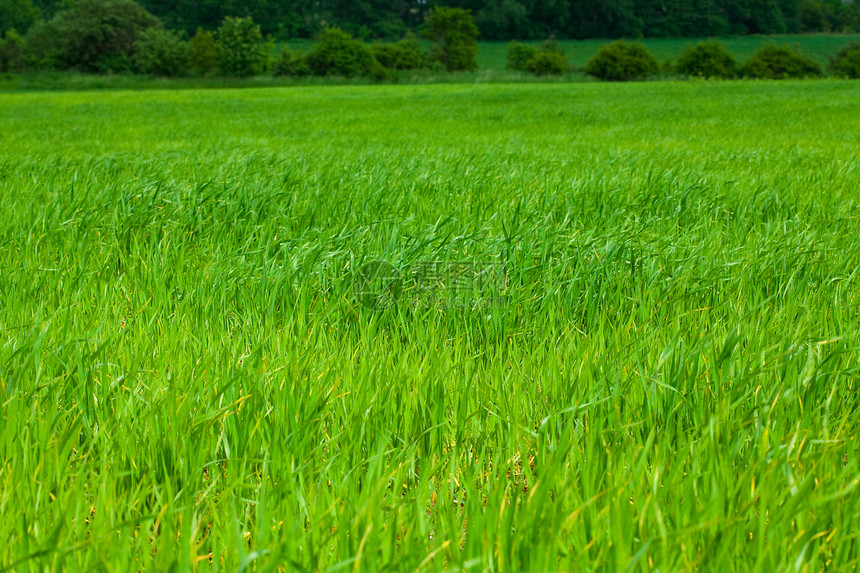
{"x":455,"y":36}
{"x":543,"y":60}
{"x":518,"y":55}
{"x":91,"y":36}
{"x":18,"y":15}
{"x":547,"y":63}
{"x":403,"y":55}
{"x":336,"y":53}
{"x":780,"y":62}
{"x":162,"y":52}
{"x":11,"y":52}
{"x":622,"y":61}
{"x":497,"y":19}
{"x":240,"y":48}
{"x":120,"y":36}
{"x":846,"y":64}
{"x":291,"y":63}
{"x":204,"y":52}
{"x":707,"y":60}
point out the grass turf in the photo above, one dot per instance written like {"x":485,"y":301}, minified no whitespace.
{"x":187,"y":378}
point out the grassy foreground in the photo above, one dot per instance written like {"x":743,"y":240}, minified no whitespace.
{"x":188,"y":380}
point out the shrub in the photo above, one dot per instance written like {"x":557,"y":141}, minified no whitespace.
{"x":707,"y":60}
{"x":403,"y":55}
{"x":115,"y":63}
{"x":11,"y":52}
{"x":43,"y":50}
{"x":204,"y":53}
{"x":336,"y":53}
{"x":622,"y":61}
{"x":291,"y":63}
{"x":240,"y":48}
{"x":811,"y":15}
{"x":547,"y":62}
{"x":518,"y":55}
{"x":92,"y":36}
{"x":780,"y":62}
{"x":378,"y":72}
{"x":455,"y":36}
{"x":163,"y":53}
{"x":846,"y":64}
{"x":542,"y":60}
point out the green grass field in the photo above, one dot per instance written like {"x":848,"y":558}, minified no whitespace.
{"x":668,"y":380}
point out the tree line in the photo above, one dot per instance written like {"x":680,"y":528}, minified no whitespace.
{"x":496,"y":19}
{"x":121,"y":36}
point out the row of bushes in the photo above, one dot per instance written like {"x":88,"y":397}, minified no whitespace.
{"x":153,"y":51}
{"x":630,"y":61}
{"x":543,"y":60}
{"x":119,"y":36}
{"x":335,"y":53}
{"x":625,"y":61}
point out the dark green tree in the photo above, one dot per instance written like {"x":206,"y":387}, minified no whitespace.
{"x":547,"y":63}
{"x":622,"y":61}
{"x":163,"y":53}
{"x":91,"y":36}
{"x":707,"y":60}
{"x":548,"y":18}
{"x":846,"y":64}
{"x":543,"y":60}
{"x":681,"y":18}
{"x":291,"y":63}
{"x":496,"y":19}
{"x":11,"y":52}
{"x":780,"y":62}
{"x":500,"y":19}
{"x":18,"y":15}
{"x":240,"y":48}
{"x":204,"y":52}
{"x":454,"y":35}
{"x":811,"y":16}
{"x":403,"y":55}
{"x":766,"y":17}
{"x":336,"y":53}
{"x":603,"y":19}
{"x":518,"y":55}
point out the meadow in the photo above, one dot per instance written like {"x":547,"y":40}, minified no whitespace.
{"x":668,"y":381}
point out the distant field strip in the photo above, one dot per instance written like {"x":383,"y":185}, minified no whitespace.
{"x":191,"y":376}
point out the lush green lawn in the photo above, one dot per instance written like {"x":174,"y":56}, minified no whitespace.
{"x":188,"y":378}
